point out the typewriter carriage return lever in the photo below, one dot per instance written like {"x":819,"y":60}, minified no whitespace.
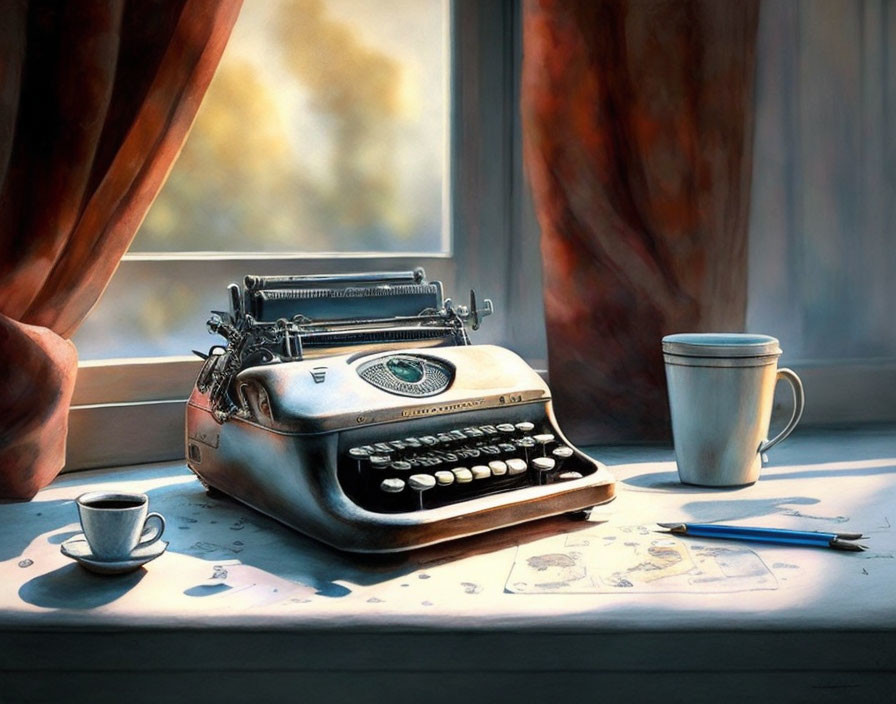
{"x":355,"y":409}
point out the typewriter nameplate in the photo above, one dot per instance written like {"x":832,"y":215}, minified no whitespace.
{"x":446,"y":408}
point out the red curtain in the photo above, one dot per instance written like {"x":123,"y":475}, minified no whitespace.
{"x":637,"y":123}
{"x":96,"y":99}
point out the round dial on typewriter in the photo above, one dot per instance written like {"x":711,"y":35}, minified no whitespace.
{"x":407,"y":374}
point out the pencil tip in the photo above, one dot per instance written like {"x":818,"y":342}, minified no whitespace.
{"x":840,"y":545}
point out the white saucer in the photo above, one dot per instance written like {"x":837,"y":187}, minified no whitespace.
{"x":78,"y":549}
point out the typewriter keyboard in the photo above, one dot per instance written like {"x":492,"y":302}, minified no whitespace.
{"x":427,"y":471}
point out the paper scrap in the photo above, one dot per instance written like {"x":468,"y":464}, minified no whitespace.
{"x":634,"y":559}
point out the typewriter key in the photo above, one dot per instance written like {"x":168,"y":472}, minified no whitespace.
{"x":398,"y":445}
{"x":561,"y":453}
{"x":526,"y":444}
{"x":490,"y":450}
{"x":525,"y":426}
{"x":382,"y":448}
{"x":412,"y":442}
{"x":392,"y":485}
{"x":444,"y":477}
{"x":488,"y":429}
{"x":421,"y":482}
{"x":473,"y":433}
{"x":543,"y":465}
{"x":444,"y":438}
{"x":507,"y":447}
{"x":480,"y":471}
{"x":458,"y":435}
{"x":544,"y":439}
{"x":516,"y":466}
{"x":429,"y":440}
{"x":360,"y":454}
{"x":462,"y":475}
{"x":379,"y":462}
{"x":505,"y":428}
{"x":401,"y":466}
{"x":566,"y":476}
{"x":498,"y":468}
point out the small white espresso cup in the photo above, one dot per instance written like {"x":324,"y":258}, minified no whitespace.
{"x":115,"y":522}
{"x":721,"y":387}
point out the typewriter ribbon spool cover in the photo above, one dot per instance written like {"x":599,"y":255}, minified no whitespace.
{"x":375,"y":425}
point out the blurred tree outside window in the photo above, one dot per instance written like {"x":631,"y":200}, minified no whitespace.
{"x":324,"y":129}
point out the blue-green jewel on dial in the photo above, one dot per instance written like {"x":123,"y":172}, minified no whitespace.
{"x":404,"y":369}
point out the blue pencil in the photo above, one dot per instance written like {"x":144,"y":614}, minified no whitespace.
{"x":778,"y":536}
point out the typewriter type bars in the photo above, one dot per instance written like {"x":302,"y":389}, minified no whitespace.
{"x":413,"y":439}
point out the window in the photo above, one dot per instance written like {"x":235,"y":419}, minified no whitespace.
{"x":487,"y":240}
{"x":324,"y":131}
{"x":400,"y":153}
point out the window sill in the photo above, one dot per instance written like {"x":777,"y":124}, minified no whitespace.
{"x":310,"y":615}
{"x":131,"y":411}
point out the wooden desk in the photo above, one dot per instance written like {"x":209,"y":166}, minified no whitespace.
{"x":524,"y":614}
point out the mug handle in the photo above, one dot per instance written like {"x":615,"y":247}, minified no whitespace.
{"x":155,"y":530}
{"x":796,"y":386}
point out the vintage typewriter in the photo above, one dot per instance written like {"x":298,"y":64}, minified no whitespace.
{"x":354,"y":409}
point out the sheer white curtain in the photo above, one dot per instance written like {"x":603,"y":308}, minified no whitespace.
{"x":823,"y":210}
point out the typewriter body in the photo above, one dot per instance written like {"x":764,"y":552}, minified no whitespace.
{"x":354,"y":409}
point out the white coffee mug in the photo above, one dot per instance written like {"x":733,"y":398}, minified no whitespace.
{"x":721,"y":388}
{"x":114,"y":523}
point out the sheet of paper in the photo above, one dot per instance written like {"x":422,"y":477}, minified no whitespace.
{"x":634,"y":559}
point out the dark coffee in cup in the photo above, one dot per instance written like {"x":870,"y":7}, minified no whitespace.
{"x":114,"y":503}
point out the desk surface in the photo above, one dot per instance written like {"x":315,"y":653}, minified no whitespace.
{"x":612,"y":576}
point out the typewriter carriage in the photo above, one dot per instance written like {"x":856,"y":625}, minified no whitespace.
{"x":277,"y":319}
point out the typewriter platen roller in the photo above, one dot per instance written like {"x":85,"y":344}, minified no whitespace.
{"x":368,"y":421}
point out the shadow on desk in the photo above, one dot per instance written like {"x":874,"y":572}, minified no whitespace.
{"x":32,"y":519}
{"x":72,"y":587}
{"x":221,"y":529}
